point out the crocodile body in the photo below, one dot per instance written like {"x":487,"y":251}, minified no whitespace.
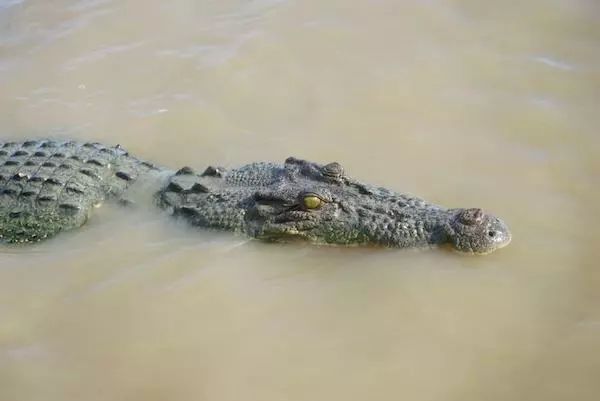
{"x":48,"y":186}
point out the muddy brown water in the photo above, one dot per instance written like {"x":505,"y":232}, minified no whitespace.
{"x":464,"y":103}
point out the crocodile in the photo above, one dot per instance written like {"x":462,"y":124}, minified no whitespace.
{"x":48,"y":186}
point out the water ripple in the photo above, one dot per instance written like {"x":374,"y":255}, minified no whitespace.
{"x":99,"y":54}
{"x":554,"y":63}
{"x":4,"y":4}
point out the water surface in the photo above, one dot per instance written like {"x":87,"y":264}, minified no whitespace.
{"x":465,"y":103}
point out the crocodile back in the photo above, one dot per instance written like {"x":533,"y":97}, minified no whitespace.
{"x":50,"y":186}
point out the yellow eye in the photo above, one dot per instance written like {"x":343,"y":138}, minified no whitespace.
{"x":312,"y":202}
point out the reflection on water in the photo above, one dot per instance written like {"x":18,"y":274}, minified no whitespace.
{"x":464,"y":103}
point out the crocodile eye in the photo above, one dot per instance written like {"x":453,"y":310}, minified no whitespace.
{"x":312,"y":202}
{"x":492,"y":233}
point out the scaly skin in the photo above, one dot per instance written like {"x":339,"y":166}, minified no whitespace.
{"x":48,"y":186}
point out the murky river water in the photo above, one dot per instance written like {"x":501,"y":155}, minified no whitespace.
{"x":465,"y":103}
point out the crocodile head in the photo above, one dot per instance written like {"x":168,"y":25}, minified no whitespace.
{"x":302,"y":200}
{"x":473,"y":231}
